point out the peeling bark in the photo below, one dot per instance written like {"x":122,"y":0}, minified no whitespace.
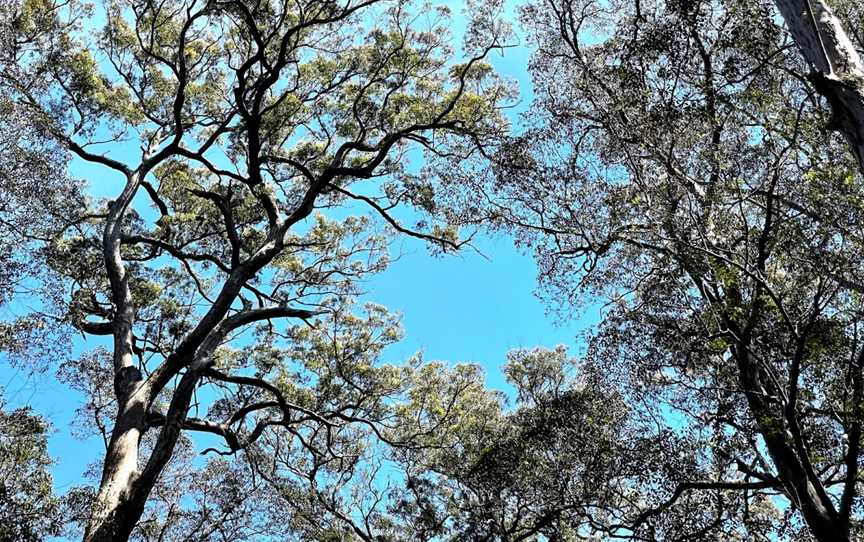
{"x":838,"y":72}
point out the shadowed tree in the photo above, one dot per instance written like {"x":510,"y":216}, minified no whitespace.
{"x":220,"y":127}
{"x":676,"y":166}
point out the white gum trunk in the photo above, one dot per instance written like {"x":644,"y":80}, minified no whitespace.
{"x":838,"y":72}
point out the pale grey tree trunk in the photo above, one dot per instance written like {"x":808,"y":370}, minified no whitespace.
{"x":838,"y":72}
{"x":110,"y":516}
{"x":113,"y":515}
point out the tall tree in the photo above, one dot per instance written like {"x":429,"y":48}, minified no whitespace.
{"x":676,"y":165}
{"x":220,"y":127}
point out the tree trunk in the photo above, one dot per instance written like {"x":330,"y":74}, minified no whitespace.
{"x":838,"y":75}
{"x":802,"y":484}
{"x":117,"y":505}
{"x":838,"y":72}
{"x":115,"y":509}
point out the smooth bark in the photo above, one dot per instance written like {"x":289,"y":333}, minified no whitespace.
{"x":111,"y":517}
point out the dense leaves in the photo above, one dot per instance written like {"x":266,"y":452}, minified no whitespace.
{"x":234,"y":138}
{"x":678,"y":167}
{"x":29,"y":510}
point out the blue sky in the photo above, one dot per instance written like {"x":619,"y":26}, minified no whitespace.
{"x":460,"y":308}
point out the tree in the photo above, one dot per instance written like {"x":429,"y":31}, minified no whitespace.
{"x":35,"y":203}
{"x":676,"y":166}
{"x":221,"y":126}
{"x":573,"y":461}
{"x":29,"y":510}
{"x":37,"y":200}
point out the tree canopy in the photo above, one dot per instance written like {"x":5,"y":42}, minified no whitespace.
{"x":692,"y":167}
{"x":249,"y":119}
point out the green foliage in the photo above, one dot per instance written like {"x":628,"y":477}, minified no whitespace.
{"x":29,"y":510}
{"x":250,"y":138}
{"x":673,"y":169}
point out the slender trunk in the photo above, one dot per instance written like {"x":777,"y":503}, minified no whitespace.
{"x":127,"y":480}
{"x":115,"y":510}
{"x":838,"y":72}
